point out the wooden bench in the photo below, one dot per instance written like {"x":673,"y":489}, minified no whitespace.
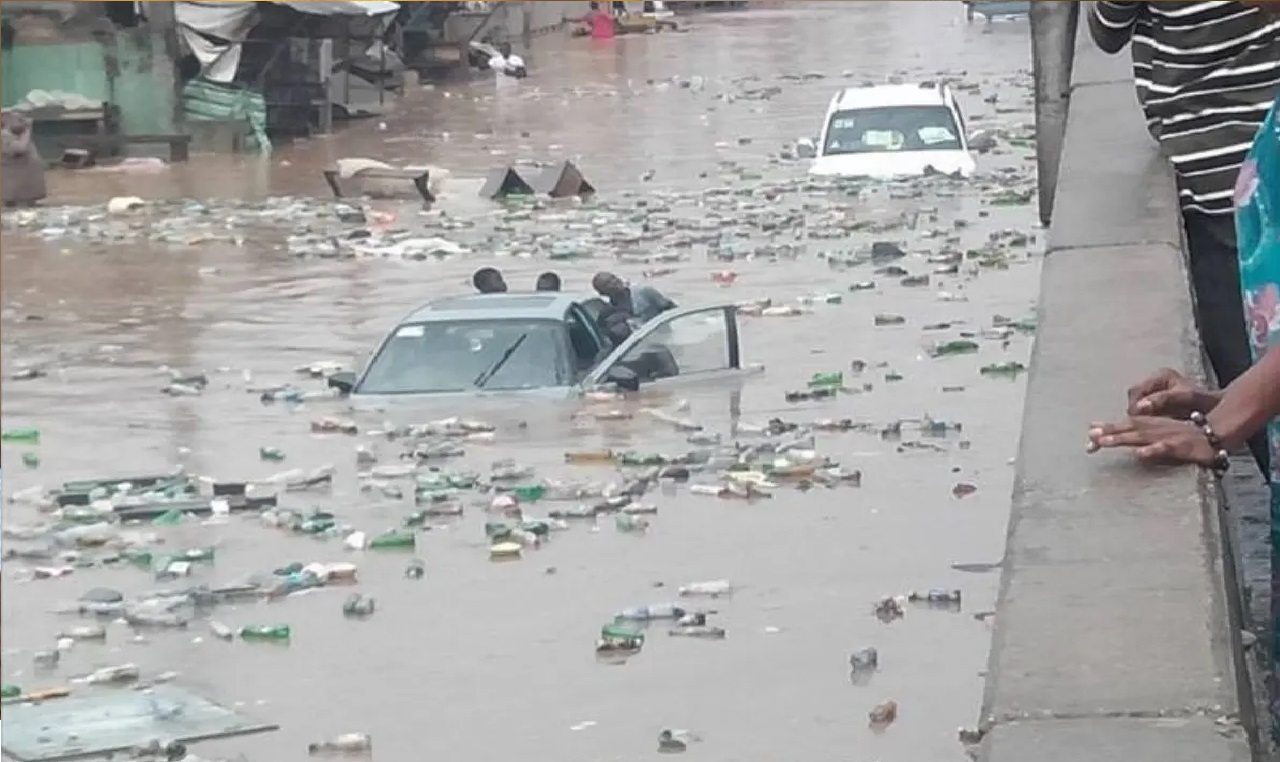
{"x":419,"y":178}
{"x":83,"y":151}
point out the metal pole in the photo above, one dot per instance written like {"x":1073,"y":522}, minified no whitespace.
{"x":1053,"y":40}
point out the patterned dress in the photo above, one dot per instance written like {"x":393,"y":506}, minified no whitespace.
{"x":1258,"y":230}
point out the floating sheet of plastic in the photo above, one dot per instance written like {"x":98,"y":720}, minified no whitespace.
{"x":76,"y":727}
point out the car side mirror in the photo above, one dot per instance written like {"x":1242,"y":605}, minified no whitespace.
{"x":344,"y":381}
{"x":624,"y":379}
{"x":806,"y":148}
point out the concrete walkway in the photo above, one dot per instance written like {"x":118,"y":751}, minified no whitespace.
{"x":1116,"y":636}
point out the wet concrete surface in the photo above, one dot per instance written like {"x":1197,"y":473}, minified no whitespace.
{"x":488,"y":660}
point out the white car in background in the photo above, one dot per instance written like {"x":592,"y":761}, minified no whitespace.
{"x":887,"y":131}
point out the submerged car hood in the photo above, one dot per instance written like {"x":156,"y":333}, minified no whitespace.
{"x":450,"y":400}
{"x":896,"y":164}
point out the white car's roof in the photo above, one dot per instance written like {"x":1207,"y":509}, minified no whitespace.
{"x":879,"y":96}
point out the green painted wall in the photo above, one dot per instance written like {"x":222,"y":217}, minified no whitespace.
{"x":143,"y":91}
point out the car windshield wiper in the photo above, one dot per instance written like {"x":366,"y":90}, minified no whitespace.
{"x":488,"y":374}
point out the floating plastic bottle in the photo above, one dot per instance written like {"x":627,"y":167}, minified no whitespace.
{"x":278,"y":632}
{"x":582,"y":457}
{"x":713,"y":588}
{"x":396,"y":539}
{"x":530,"y":493}
{"x":936,"y":597}
{"x":347,"y":743}
{"x":358,"y":606}
{"x":704,"y":631}
{"x":122,"y":673}
{"x":271,"y":454}
{"x":864,"y":660}
{"x":221,"y":630}
{"x":693,"y":619}
{"x":824,"y":380}
{"x":626,"y":522}
{"x":956,"y":347}
{"x":505,"y":551}
{"x":84,"y":632}
{"x":1008,"y":369}
{"x":193,"y":555}
{"x":651,"y":612}
{"x":169,"y":518}
{"x":21,"y":436}
{"x":617,"y":637}
{"x":817,"y":393}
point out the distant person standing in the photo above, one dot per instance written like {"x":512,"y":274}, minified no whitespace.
{"x":1206,"y":75}
{"x":21,"y":170}
{"x":603,"y":25}
{"x":547,"y":282}
{"x":642,"y":303}
{"x":488,"y":280}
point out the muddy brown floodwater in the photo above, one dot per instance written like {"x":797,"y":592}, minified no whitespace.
{"x":495,"y":661}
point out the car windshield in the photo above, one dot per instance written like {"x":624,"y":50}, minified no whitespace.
{"x":468,"y":355}
{"x":892,"y":128}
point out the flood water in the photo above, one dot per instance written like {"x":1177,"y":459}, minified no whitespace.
{"x":483,"y":660}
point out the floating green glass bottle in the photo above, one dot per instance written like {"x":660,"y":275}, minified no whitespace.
{"x":278,"y":632}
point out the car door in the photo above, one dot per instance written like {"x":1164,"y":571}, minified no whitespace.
{"x":589,"y":345}
{"x":702,"y":342}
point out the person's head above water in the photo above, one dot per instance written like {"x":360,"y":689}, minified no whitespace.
{"x":593,"y":5}
{"x":505,"y":49}
{"x":487,"y":280}
{"x":548,"y":282}
{"x":608,"y":284}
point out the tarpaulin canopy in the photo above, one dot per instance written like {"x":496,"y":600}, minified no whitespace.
{"x":214,"y":31}
{"x":344,"y":8}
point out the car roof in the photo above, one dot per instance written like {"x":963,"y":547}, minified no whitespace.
{"x":878,"y":96}
{"x":532,"y":305}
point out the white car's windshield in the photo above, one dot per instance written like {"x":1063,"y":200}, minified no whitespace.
{"x":892,"y":128}
{"x":494,"y":355}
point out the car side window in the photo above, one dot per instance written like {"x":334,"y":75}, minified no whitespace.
{"x":587,"y":345}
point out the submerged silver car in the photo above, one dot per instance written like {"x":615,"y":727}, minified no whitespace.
{"x":548,"y":343}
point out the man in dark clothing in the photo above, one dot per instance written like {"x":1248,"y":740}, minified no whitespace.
{"x":642,"y":303}
{"x":547,"y":282}
{"x":1206,"y":75}
{"x":488,"y":280}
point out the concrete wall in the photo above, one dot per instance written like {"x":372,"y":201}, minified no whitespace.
{"x":514,"y":20}
{"x":1117,"y":634}
{"x":124,"y":71}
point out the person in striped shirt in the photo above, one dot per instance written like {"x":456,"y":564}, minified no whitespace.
{"x":1206,"y":74}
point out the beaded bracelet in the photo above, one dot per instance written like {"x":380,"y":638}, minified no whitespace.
{"x":1221,"y":458}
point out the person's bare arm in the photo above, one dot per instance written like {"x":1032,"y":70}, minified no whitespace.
{"x":1249,"y":402}
{"x":1111,"y":23}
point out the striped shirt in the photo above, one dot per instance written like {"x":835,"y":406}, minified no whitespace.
{"x":1206,"y":74}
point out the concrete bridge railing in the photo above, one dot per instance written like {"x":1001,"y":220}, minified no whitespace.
{"x":1118,"y":625}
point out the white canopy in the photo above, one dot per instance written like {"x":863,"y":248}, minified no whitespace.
{"x":214,"y":31}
